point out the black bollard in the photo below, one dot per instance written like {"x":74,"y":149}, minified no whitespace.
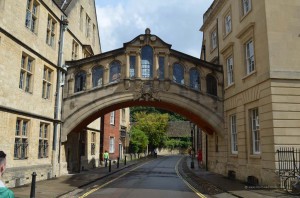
{"x":118,"y":162}
{"x":109,"y":166}
{"x":125,"y":160}
{"x":32,"y":191}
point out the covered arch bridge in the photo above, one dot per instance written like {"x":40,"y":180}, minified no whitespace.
{"x":144,"y":72}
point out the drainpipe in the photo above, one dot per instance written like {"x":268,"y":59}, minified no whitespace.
{"x":218,"y":41}
{"x":58,"y":103}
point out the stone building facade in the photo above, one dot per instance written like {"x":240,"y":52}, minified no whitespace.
{"x":36,"y":37}
{"x":257,"y":42}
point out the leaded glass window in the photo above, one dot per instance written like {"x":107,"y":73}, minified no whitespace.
{"x":132,"y":66}
{"x":114,"y":71}
{"x":80,"y":80}
{"x":161,"y":70}
{"x":147,"y":62}
{"x":97,"y":76}
{"x":178,"y":73}
{"x":194,"y":79}
{"x":211,"y":85}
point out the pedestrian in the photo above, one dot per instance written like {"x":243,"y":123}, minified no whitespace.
{"x":105,"y":157}
{"x":4,"y":191}
{"x":155,"y":152}
{"x":199,"y":158}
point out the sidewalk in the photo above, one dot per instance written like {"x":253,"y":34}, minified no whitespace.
{"x":232,"y":188}
{"x":61,"y":185}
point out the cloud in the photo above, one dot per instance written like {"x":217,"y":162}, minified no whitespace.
{"x":175,"y":22}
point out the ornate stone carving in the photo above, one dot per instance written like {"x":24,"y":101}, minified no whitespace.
{"x":146,"y":91}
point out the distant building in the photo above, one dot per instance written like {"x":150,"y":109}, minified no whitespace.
{"x":258,"y":44}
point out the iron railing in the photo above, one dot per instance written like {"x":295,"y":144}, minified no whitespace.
{"x":288,"y":161}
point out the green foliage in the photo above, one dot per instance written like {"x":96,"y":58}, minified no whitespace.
{"x":138,"y":141}
{"x":178,"y":143}
{"x":172,"y":116}
{"x":154,"y":125}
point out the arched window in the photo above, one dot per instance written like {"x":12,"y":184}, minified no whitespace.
{"x":97,"y":76}
{"x":114,"y":71}
{"x":80,"y":79}
{"x":147,"y":62}
{"x":194,"y":79}
{"x":211,"y":85}
{"x":178,"y":73}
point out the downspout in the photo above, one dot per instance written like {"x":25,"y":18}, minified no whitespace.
{"x":63,"y":27}
{"x":218,"y":41}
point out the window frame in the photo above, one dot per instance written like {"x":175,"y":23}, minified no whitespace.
{"x":112,"y":118}
{"x":26,"y":73}
{"x":250,"y":66}
{"x":233,"y":134}
{"x":32,"y":14}
{"x":47,"y":83}
{"x":230,"y":70}
{"x":44,"y":134}
{"x":228,"y":29}
{"x":255,"y":131}
{"x":111,"y":144}
{"x":21,"y":139}
{"x":51,"y":31}
{"x":244,"y":10}
{"x":93,"y":143}
{"x":213,"y":39}
{"x":75,"y":49}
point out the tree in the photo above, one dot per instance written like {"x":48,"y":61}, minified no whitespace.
{"x":154,"y":125}
{"x":138,"y":141}
{"x":172,"y":116}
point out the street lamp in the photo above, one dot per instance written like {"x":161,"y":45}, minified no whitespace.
{"x":192,"y":141}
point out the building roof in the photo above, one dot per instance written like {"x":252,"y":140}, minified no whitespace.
{"x":179,"y":129}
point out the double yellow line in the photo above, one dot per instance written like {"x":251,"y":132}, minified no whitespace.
{"x":176,"y":169}
{"x":189,"y":185}
{"x":99,"y":187}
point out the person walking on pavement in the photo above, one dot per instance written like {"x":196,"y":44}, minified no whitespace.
{"x":4,"y":191}
{"x":199,"y":158}
{"x":105,"y":157}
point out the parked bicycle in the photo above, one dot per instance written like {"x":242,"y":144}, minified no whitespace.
{"x":292,"y":184}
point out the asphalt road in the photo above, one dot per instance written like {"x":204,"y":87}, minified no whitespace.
{"x":154,"y":179}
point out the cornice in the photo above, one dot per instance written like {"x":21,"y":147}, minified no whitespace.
{"x":212,"y":12}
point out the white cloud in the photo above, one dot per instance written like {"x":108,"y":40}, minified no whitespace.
{"x":175,"y":22}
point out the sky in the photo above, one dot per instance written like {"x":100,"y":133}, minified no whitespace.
{"x":177,"y":22}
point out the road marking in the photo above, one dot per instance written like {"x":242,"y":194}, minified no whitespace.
{"x":99,"y":187}
{"x":189,"y":185}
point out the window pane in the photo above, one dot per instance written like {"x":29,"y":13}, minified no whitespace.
{"x":178,"y":73}
{"x":194,"y":79}
{"x":115,"y":72}
{"x":21,"y":83}
{"x":211,"y":84}
{"x":147,"y":62}
{"x":80,"y":80}
{"x":18,"y":123}
{"x":132,"y":66}
{"x":97,"y":75}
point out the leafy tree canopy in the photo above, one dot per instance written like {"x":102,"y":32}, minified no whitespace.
{"x":138,"y":141}
{"x":172,"y":116}
{"x":154,"y":125}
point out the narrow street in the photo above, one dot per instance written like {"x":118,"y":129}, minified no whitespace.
{"x":156,"y":178}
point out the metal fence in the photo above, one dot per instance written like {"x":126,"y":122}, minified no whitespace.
{"x":288,"y":161}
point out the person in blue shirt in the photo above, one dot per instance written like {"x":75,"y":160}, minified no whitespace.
{"x":4,"y":191}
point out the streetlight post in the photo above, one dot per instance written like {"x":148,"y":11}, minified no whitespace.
{"x":193,"y":149}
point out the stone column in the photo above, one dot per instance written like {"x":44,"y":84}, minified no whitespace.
{"x":167,"y":68}
{"x":155,"y":66}
{"x":138,"y":73}
{"x":106,"y":75}
{"x":127,"y":66}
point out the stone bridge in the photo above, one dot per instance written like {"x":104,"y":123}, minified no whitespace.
{"x":144,"y":72}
